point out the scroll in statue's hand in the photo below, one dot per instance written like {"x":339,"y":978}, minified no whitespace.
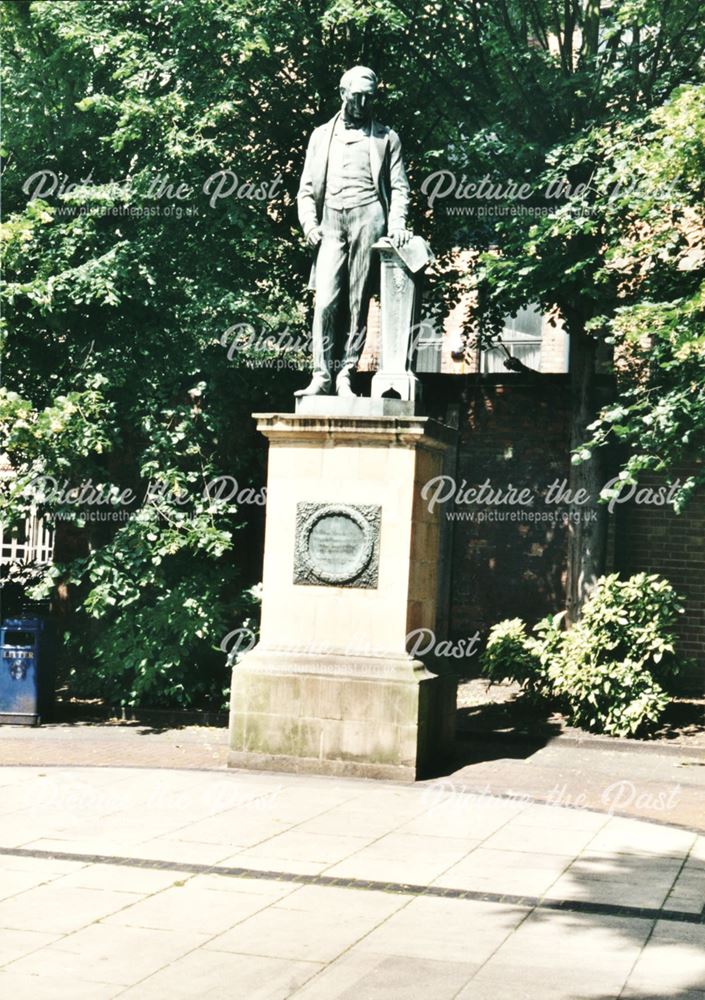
{"x":400,"y":237}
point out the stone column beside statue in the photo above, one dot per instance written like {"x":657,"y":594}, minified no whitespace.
{"x":400,"y":308}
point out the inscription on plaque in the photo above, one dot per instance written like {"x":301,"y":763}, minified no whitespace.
{"x":337,"y":544}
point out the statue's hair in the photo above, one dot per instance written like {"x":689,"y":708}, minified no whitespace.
{"x":358,"y":72}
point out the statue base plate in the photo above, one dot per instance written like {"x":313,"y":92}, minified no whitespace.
{"x":354,"y":406}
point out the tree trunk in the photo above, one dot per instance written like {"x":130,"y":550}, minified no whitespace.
{"x":587,"y":527}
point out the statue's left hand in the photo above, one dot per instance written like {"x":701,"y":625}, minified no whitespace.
{"x":400,"y":237}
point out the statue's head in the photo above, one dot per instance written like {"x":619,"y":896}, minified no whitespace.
{"x":357,"y":91}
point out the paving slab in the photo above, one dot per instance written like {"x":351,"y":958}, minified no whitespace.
{"x":672,"y":962}
{"x":566,"y":952}
{"x":369,"y":976}
{"x":222,"y":976}
{"x":22,"y":986}
{"x":54,"y":909}
{"x":314,"y":924}
{"x":103,"y":953}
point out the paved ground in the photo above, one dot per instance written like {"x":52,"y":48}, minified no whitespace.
{"x":110,"y":744}
{"x":154,"y":884}
{"x":646,"y":782}
{"x":668,"y":788}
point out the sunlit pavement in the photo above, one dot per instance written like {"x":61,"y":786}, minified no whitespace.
{"x":174,"y":883}
{"x":646,"y":781}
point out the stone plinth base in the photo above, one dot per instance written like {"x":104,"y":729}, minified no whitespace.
{"x":353,"y":565}
{"x":374,"y":717}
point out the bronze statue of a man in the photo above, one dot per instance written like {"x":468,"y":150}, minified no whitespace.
{"x":353,"y":191}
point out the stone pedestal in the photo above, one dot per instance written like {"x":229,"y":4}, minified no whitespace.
{"x":351,"y":567}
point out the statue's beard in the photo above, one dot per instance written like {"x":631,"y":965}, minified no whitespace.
{"x":358,"y":118}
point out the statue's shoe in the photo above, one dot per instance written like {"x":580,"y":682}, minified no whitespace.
{"x":317,"y":387}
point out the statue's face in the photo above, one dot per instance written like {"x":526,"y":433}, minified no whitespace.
{"x":357,"y":99}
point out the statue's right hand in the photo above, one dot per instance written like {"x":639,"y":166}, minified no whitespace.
{"x":314,"y":236}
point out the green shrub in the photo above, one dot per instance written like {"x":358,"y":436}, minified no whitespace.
{"x":613,"y":670}
{"x":511,"y":654}
{"x":633,"y":621}
{"x":616,"y":697}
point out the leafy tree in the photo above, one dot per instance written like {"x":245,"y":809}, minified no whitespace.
{"x":142,"y":284}
{"x":120,"y":366}
{"x":576,"y":89}
{"x":659,"y":330}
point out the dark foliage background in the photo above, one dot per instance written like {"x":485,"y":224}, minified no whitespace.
{"x":138,"y":312}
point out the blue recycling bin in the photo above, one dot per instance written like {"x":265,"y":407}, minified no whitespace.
{"x":26,"y":682}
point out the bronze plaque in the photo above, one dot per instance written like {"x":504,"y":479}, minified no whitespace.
{"x":337,"y":544}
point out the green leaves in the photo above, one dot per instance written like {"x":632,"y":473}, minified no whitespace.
{"x":511,"y":654}
{"x":611,"y":672}
{"x":118,"y":291}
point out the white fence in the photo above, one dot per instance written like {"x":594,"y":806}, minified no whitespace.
{"x":28,"y":544}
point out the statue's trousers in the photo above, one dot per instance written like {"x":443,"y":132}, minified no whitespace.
{"x":344,"y":263}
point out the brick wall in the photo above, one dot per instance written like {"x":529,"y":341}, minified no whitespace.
{"x":514,"y":435}
{"x":517,"y":434}
{"x":653,"y":539}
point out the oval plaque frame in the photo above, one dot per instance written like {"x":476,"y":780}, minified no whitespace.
{"x":363,"y":571}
